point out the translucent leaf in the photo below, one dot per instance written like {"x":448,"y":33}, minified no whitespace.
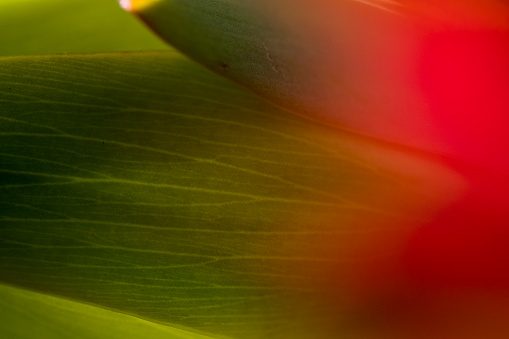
{"x":145,"y":184}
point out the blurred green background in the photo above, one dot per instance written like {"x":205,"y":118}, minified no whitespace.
{"x":31,"y":27}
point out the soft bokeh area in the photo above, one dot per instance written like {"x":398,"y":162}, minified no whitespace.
{"x":31,"y":27}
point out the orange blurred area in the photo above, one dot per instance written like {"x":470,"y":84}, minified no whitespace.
{"x":460,"y":14}
{"x":415,"y":272}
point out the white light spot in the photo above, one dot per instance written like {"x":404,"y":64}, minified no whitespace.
{"x":126,"y":4}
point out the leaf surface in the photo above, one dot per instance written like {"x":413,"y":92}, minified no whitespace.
{"x":142,"y":183}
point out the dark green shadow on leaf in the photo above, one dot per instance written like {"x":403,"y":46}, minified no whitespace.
{"x":142,"y":183}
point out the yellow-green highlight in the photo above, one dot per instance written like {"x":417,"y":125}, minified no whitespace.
{"x":26,"y":315}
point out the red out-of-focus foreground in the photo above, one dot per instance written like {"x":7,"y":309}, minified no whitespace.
{"x":456,"y":262}
{"x":463,"y":72}
{"x":449,"y":276}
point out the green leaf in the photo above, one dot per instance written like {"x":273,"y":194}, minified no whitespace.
{"x":51,"y":317}
{"x":57,"y":26}
{"x":144,"y":184}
